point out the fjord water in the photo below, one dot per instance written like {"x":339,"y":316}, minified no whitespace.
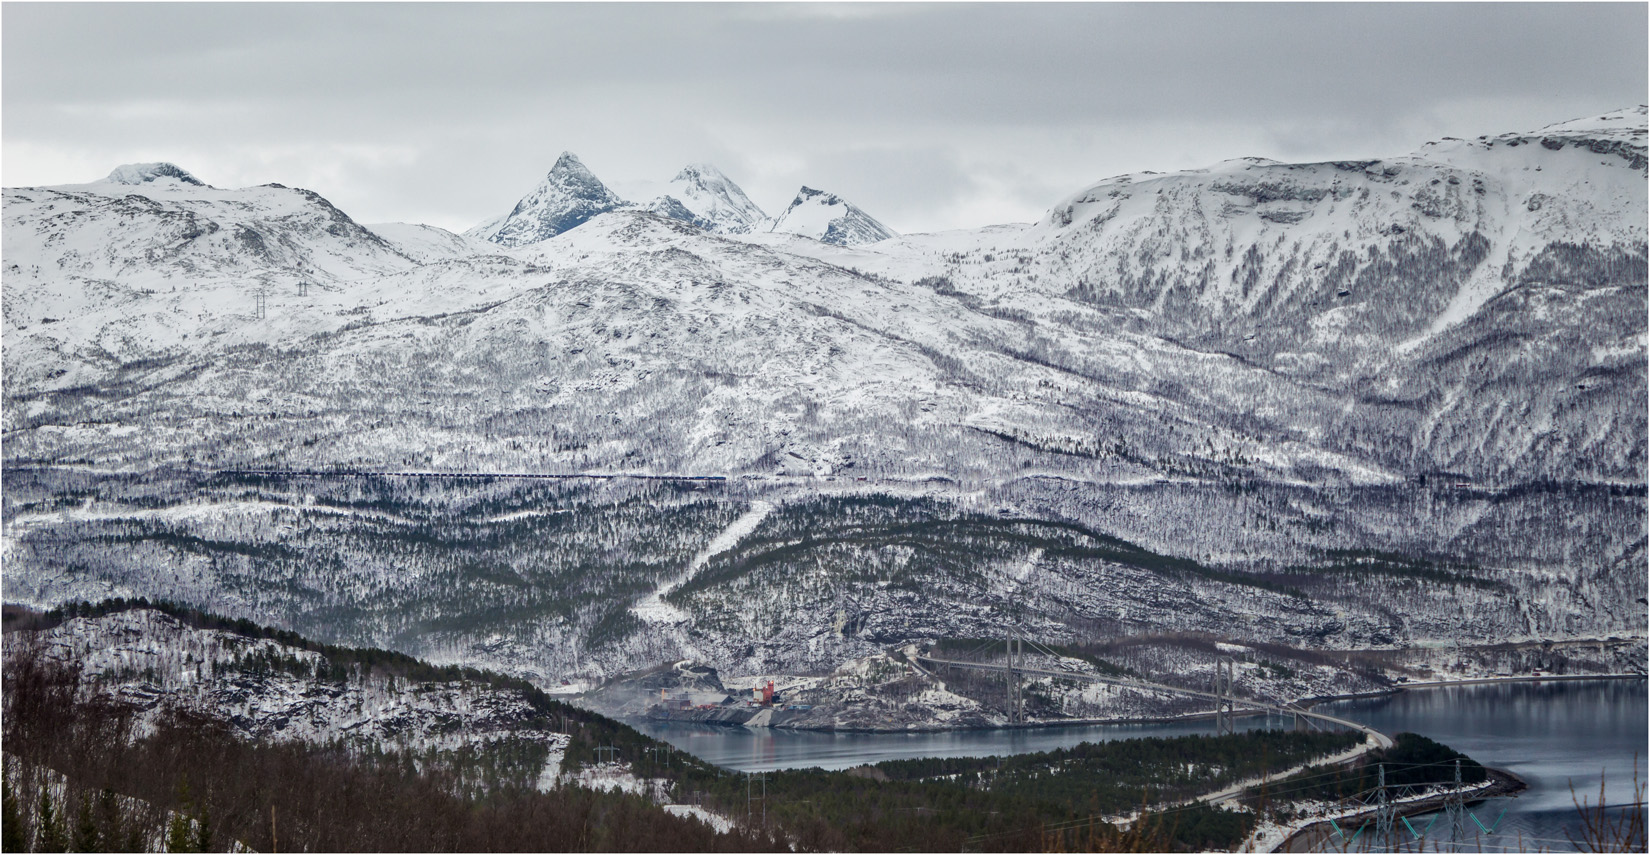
{"x":766,"y":749}
{"x":1553,"y":735}
{"x":1549,"y":734}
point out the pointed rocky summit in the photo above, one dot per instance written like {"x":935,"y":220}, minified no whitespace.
{"x":715,"y":199}
{"x":828,"y":218}
{"x":566,"y":198}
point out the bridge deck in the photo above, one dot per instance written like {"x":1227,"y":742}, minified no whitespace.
{"x":1381,"y":740}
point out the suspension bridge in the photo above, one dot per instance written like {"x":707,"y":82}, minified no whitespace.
{"x":1225,"y":703}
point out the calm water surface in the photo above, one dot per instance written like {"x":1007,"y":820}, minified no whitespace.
{"x":1552,"y":735}
{"x":765,"y":749}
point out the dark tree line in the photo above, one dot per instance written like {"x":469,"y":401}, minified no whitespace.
{"x":81,"y":776}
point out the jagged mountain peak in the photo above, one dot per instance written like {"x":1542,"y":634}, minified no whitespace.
{"x":569,"y":195}
{"x":152,"y":173}
{"x":568,"y":163}
{"x":570,"y":175}
{"x":828,"y":218}
{"x":713,"y":200}
{"x":700,"y":172}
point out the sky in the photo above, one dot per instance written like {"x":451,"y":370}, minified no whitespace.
{"x":929,"y":116}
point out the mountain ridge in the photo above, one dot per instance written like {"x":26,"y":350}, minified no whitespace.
{"x":1263,"y":376}
{"x":700,"y":195}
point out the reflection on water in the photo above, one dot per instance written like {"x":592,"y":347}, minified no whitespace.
{"x":765,"y":749}
{"x":1553,"y":735}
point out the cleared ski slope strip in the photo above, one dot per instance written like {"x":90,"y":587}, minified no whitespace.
{"x":654,"y":609}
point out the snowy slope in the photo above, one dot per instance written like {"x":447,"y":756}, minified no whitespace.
{"x":263,"y":689}
{"x":152,"y":173}
{"x":700,"y":194}
{"x":1211,"y":363}
{"x":703,"y":189}
{"x":426,"y":244}
{"x":149,"y":656}
{"x":1314,"y":316}
{"x":827,"y":218}
{"x":101,"y":274}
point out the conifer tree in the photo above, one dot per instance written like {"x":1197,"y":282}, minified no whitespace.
{"x":136,"y":839}
{"x":11,"y":822}
{"x":51,"y":836}
{"x":85,"y":828}
{"x":203,"y":830}
{"x":109,"y":821}
{"x":178,"y":836}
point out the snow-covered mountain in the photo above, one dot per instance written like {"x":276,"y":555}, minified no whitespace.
{"x":700,"y":194}
{"x":104,"y":274}
{"x":426,"y":244}
{"x":147,"y":173}
{"x":568,"y":196}
{"x":1290,"y":371}
{"x":828,"y":218}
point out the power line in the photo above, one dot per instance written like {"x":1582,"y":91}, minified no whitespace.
{"x":1194,"y":805}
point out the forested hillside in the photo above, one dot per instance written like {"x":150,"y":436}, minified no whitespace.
{"x":99,"y":758}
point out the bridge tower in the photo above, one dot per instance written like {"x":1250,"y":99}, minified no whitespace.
{"x":1016,"y":706}
{"x":1017,"y":654}
{"x":1224,"y":720}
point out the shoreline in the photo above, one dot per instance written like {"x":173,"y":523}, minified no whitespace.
{"x":1315,"y":833}
{"x":1305,"y":703}
{"x":941,"y":728}
{"x":1311,"y":702}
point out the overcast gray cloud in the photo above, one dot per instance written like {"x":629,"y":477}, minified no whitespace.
{"x":927,"y":115}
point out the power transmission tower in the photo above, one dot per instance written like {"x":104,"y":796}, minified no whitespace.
{"x":1383,"y":808}
{"x":1453,"y":805}
{"x":261,"y":311}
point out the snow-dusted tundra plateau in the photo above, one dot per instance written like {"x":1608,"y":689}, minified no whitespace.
{"x":1350,"y":421}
